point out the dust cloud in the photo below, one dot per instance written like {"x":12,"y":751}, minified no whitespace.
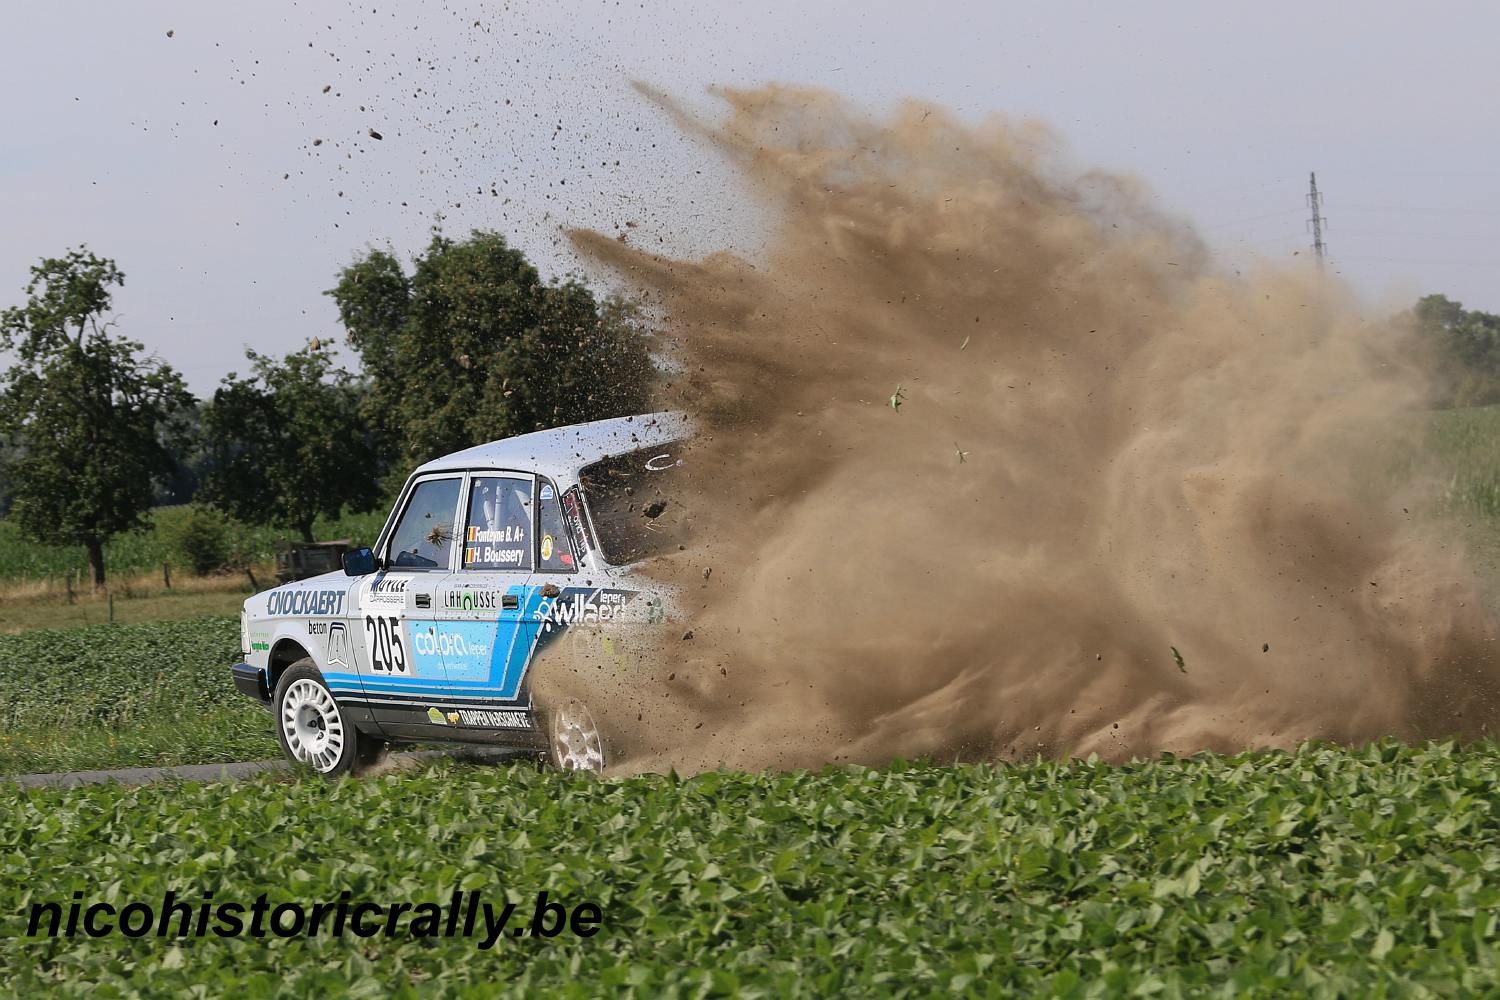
{"x":996,"y":461}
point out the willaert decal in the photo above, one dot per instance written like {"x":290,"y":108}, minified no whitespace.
{"x":305,"y":603}
{"x":576,"y":606}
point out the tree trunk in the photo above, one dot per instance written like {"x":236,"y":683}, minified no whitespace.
{"x":96,"y":561}
{"x":306,"y":528}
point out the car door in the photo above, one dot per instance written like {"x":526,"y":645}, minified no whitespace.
{"x":479,"y":627}
{"x":374,"y":661}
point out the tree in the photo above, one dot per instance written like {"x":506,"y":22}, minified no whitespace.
{"x":288,"y":444}
{"x":1464,"y":347}
{"x":475,"y":346}
{"x":88,"y":415}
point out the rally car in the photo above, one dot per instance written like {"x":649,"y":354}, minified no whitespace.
{"x":455,"y":626}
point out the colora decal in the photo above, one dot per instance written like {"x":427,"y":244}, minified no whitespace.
{"x":305,"y":602}
{"x":458,"y":650}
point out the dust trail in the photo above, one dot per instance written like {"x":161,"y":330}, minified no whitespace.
{"x":1104,"y":448}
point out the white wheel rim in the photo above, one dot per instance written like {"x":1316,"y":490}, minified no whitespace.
{"x":576,"y":744}
{"x":311,"y":724}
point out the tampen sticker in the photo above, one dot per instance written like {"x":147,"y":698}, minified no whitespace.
{"x":436,"y":717}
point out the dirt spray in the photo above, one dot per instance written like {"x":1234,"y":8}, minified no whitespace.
{"x":997,"y":462}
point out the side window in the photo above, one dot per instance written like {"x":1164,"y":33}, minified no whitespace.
{"x":499,"y":526}
{"x":423,"y":538}
{"x":554,"y":551}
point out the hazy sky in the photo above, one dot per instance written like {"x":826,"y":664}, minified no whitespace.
{"x":195,"y":160}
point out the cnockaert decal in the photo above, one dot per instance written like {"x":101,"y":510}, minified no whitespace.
{"x":305,"y":603}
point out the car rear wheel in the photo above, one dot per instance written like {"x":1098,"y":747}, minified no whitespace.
{"x":573,"y":739}
{"x":313,"y":728}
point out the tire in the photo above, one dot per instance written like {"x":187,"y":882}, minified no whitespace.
{"x":313,"y":728}
{"x":587,"y":697}
{"x":574,"y":742}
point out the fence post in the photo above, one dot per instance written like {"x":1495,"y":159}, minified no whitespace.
{"x":68,"y":582}
{"x":166,"y":575}
{"x":110,"y":595}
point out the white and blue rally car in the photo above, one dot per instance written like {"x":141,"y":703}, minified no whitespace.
{"x":502,"y":572}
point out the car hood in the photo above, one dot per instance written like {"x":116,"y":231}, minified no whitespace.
{"x":259,"y":605}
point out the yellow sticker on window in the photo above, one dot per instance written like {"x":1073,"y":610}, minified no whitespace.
{"x":546,"y":547}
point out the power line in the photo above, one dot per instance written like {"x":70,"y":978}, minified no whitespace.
{"x":1315,"y":202}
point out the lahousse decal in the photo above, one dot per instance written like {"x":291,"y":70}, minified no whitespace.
{"x":471,"y":600}
{"x":305,"y":602}
{"x":260,"y":642}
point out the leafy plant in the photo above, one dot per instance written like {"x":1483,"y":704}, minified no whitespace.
{"x":1324,"y":872}
{"x":126,"y":695}
{"x":199,"y":539}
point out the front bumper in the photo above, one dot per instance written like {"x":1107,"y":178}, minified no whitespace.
{"x":251,"y":680}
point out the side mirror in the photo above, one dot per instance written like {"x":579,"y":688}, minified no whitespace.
{"x":359,"y":562}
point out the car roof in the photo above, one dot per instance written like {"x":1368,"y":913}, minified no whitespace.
{"x":567,"y":449}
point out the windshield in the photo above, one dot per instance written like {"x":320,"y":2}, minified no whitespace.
{"x":634,"y":499}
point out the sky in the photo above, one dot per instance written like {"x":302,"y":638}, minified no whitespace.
{"x":223,"y":154}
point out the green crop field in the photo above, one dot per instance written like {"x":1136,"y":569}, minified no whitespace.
{"x":1326,"y":872}
{"x":126,"y":695}
{"x":1466,"y":447}
{"x":145,"y":551}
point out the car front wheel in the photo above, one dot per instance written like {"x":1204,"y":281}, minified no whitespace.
{"x":313,"y":728}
